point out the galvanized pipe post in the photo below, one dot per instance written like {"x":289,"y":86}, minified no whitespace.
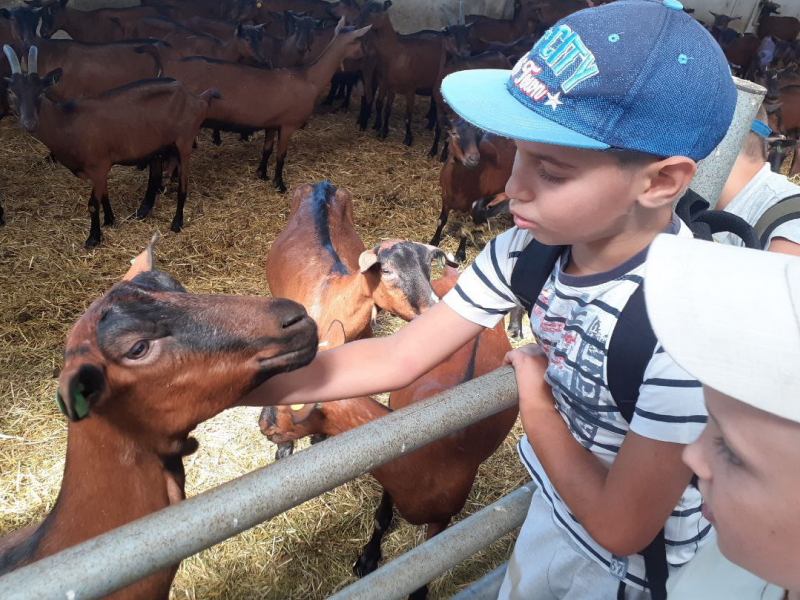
{"x":486,"y":588}
{"x":428,"y":561}
{"x":713,"y":171}
{"x":120,"y":557}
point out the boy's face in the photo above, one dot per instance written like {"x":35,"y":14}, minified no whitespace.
{"x":748,"y":464}
{"x":570,"y":195}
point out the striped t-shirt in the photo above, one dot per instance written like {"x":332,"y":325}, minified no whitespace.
{"x":572,"y":320}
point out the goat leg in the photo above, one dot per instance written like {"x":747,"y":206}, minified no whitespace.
{"x":269,"y":144}
{"x":432,"y":112}
{"x":432,"y":530}
{"x":515,"y":323}
{"x":2,"y":220}
{"x":437,"y":237}
{"x":409,"y":139}
{"x":387,"y":112}
{"x":284,"y":135}
{"x":437,"y":133}
{"x":215,"y":138}
{"x":332,"y":93}
{"x":95,"y":235}
{"x":378,"y":113}
{"x":461,"y":253}
{"x":363,"y":114}
{"x":371,"y":555}
{"x":154,"y":184}
{"x":108,"y":213}
{"x":445,"y":149}
{"x":184,"y":153}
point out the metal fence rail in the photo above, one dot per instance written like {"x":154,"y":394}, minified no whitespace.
{"x":120,"y":557}
{"x":428,"y":561}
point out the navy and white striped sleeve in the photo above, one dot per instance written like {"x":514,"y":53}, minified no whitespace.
{"x":482,"y":294}
{"x":670,"y":406}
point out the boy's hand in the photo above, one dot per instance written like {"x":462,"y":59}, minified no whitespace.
{"x":530,"y":364}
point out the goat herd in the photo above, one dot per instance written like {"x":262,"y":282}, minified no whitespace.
{"x":135,"y":85}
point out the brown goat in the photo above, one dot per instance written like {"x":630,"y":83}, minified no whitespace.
{"x":341,"y":280}
{"x":784,"y":119}
{"x":134,"y":124}
{"x":101,"y":25}
{"x":143,"y":367}
{"x":452,"y":64}
{"x":244,"y":42}
{"x":319,"y":9}
{"x":280,"y":100}
{"x":88,"y":69}
{"x":474,"y":177}
{"x":782,"y":28}
{"x":430,"y":485}
{"x":513,"y":50}
{"x":408,"y":65}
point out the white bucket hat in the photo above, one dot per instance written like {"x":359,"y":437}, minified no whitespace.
{"x":730,"y":317}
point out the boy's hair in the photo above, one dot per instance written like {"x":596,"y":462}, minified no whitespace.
{"x":755,"y":146}
{"x":631,"y":160}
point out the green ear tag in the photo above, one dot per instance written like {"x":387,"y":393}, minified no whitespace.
{"x":81,"y":406}
{"x":318,"y":406}
{"x":60,"y":403}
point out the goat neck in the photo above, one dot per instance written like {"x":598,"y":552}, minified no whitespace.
{"x":344,"y":415}
{"x":347,"y":298}
{"x":109,"y":480}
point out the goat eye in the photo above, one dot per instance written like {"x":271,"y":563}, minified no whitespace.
{"x":139,"y":350}
{"x":386,"y":271}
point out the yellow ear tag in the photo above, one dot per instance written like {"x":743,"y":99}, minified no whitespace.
{"x":258,"y":5}
{"x":296,"y":407}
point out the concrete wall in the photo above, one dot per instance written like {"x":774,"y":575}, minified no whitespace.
{"x":407,"y":15}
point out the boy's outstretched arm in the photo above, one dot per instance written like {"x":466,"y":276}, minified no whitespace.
{"x":622,"y":507}
{"x":373,"y":365}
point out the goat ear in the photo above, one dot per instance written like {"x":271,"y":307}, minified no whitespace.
{"x":239,"y":29}
{"x":52,"y":77}
{"x":438,"y":254}
{"x":713,"y":14}
{"x":367,"y":260}
{"x":301,"y":412}
{"x":80,"y":389}
{"x":735,"y":18}
{"x":359,"y":33}
{"x":335,"y":336}
{"x":143,"y":262}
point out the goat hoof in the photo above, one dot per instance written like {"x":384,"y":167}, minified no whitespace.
{"x":420,"y":594}
{"x":140,"y":214}
{"x":408,"y":141}
{"x":461,"y":257}
{"x":109,"y":222}
{"x":280,"y":187}
{"x":176,"y":226}
{"x":216,"y":142}
{"x":515,"y":332}
{"x":317,"y":438}
{"x":92,"y":242}
{"x":366,"y":565}
{"x":262,"y":174}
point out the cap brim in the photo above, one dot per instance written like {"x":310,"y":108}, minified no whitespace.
{"x":729,"y":317}
{"x":480,"y":97}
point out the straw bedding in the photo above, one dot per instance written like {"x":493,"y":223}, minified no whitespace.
{"x":47,"y":279}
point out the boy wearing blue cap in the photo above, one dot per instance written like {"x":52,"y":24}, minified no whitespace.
{"x":611,"y":109}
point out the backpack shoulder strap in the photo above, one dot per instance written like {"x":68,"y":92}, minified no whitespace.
{"x":629,"y":352}
{"x":531,"y":271}
{"x":786,"y":210}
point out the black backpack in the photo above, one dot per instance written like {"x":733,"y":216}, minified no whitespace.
{"x":633,"y":341}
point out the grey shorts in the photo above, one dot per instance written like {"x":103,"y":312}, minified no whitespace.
{"x":547,"y":565}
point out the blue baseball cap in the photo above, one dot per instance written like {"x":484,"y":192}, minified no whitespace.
{"x":633,"y":75}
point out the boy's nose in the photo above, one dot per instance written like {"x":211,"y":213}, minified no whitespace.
{"x":695,"y":458}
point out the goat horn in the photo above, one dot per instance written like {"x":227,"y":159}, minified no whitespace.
{"x":461,"y":19}
{"x":12,"y":59}
{"x":33,"y":60}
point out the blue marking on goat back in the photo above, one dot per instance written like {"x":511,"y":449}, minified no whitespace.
{"x":321,"y":198}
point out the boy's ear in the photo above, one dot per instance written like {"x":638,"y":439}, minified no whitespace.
{"x":668,"y":178}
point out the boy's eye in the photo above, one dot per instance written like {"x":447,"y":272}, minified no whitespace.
{"x":551,"y":178}
{"x":719,"y":442}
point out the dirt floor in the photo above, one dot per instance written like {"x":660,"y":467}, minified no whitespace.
{"x":47,"y":279}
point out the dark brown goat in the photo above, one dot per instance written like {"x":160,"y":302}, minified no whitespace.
{"x":784,"y":119}
{"x":474,"y":177}
{"x":88,"y":69}
{"x":742,"y":51}
{"x":513,"y":50}
{"x":452,"y":64}
{"x":279,"y":101}
{"x":782,"y":28}
{"x":131,"y":125}
{"x":430,"y":485}
{"x":408,"y":65}
{"x":341,"y":280}
{"x":19,"y":24}
{"x":244,"y":42}
{"x":101,"y":25}
{"x":319,"y":9}
{"x":143,"y":367}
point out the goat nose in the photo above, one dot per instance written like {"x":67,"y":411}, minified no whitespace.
{"x":29,"y":124}
{"x":290,"y":320}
